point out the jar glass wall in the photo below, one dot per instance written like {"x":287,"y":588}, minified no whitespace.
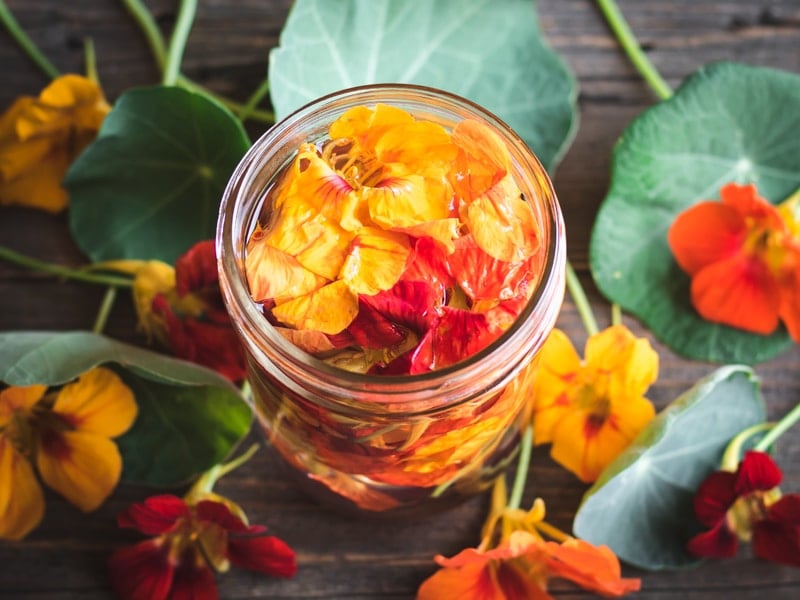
{"x":388,"y":444}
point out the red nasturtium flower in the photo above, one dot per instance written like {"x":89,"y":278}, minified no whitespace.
{"x":40,"y":137}
{"x":743,"y":255}
{"x":192,"y":536}
{"x":66,"y":434}
{"x":747,"y":505}
{"x":519,"y":565}
{"x":591,"y":410}
{"x":183,"y":309}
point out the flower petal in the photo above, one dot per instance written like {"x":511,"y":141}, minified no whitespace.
{"x":745,"y":200}
{"x":714,"y":497}
{"x":483,"y":159}
{"x":196,"y":268}
{"x":557,"y":373}
{"x":142,"y":571}
{"x":403,"y":202}
{"x":193,"y":579}
{"x":154,"y":516}
{"x":777,"y":538}
{"x":98,"y":402}
{"x":82,"y":467}
{"x":375,"y":261}
{"x":472,"y":581}
{"x":739,"y":291}
{"x":265,"y":554}
{"x":329,"y":309}
{"x":718,"y":542}
{"x":756,"y":472}
{"x":704,"y":234}
{"x":21,"y":499}
{"x":594,"y":568}
{"x":19,"y":398}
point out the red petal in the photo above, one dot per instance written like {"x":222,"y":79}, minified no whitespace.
{"x":154,"y":516}
{"x":777,"y":538}
{"x":458,"y":335}
{"x":141,"y":572}
{"x":740,"y":292}
{"x":704,"y":234}
{"x":428,"y":263}
{"x":266,"y":554}
{"x":370,"y":328}
{"x":714,"y":497}
{"x":786,"y":510}
{"x":193,"y":580}
{"x":757,"y":472}
{"x":719,"y":542}
{"x":482,"y":276}
{"x":745,"y":200}
{"x":217,"y":512}
{"x":789,"y":310}
{"x":197,"y":268}
{"x":411,"y":304}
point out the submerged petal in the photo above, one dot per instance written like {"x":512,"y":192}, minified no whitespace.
{"x":274,"y":274}
{"x":329,"y":309}
{"x":375,"y":261}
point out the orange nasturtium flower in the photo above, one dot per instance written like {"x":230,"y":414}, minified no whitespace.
{"x":743,"y":255}
{"x":514,"y":561}
{"x":591,"y":410}
{"x":65,"y":435}
{"x":40,"y":137}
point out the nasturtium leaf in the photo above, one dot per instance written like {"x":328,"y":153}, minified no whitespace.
{"x":641,"y":506}
{"x":489,"y":51}
{"x":190,"y":417}
{"x":728,"y":122}
{"x":150,"y":185}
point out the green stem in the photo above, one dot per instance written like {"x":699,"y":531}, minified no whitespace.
{"x":150,"y":29}
{"x":65,"y":272}
{"x":91,"y":60}
{"x":628,"y":41}
{"x":616,"y":314}
{"x":792,"y":417}
{"x":205,"y":484}
{"x":733,"y":453}
{"x":253,"y":100}
{"x":25,"y":42}
{"x":177,"y":43}
{"x":522,"y":469}
{"x":105,"y":309}
{"x":264,"y":116}
{"x":581,"y":302}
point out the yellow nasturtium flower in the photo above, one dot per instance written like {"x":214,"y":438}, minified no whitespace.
{"x":40,"y":137}
{"x":66,"y":434}
{"x":591,"y":410}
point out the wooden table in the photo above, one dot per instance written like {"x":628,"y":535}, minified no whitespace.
{"x":338,"y":557}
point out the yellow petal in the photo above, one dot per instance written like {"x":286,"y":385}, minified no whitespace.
{"x":274,"y":274}
{"x":404,"y":202}
{"x":82,"y":467}
{"x":444,"y":231}
{"x":483,"y":159}
{"x":637,"y":374}
{"x":502,"y":223}
{"x":329,"y":309}
{"x":557,"y":374}
{"x":376,"y":260}
{"x":39,"y":185}
{"x":366,"y":125}
{"x":19,"y":398}
{"x":152,"y":278}
{"x":21,"y":500}
{"x":17,"y":157}
{"x":98,"y":402}
{"x":421,"y":147}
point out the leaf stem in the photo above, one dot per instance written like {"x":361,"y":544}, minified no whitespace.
{"x":177,"y":43}
{"x":206,"y":482}
{"x":522,"y":469}
{"x":150,"y":29}
{"x":733,"y":453}
{"x":264,"y":116}
{"x":26,"y":43}
{"x":581,"y":302}
{"x":66,"y":272}
{"x":792,"y":417}
{"x":631,"y":46}
{"x":616,"y":314}
{"x":105,"y":309}
{"x":91,"y":60}
{"x":253,"y":101}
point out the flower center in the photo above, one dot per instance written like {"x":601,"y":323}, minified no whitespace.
{"x":595,"y":403}
{"x":749,"y":510}
{"x":357,"y":168}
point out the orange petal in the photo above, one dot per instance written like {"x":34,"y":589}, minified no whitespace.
{"x":557,"y":373}
{"x":789,"y":310}
{"x":403,"y":202}
{"x":21,"y":499}
{"x":329,"y":309}
{"x":594,"y":568}
{"x":98,"y":402}
{"x":39,"y":186}
{"x":19,"y":398}
{"x":706,"y":233}
{"x":745,"y":200}
{"x":473,"y":581}
{"x":483,"y":159}
{"x":82,"y":467}
{"x":502,"y":223}
{"x":739,"y":292}
{"x":272,"y":273}
{"x":366,"y":125}
{"x":421,"y":147}
{"x":376,"y":260}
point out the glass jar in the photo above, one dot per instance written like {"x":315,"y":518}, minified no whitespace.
{"x":375,"y":443}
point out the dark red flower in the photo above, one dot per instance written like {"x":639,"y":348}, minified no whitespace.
{"x":197,"y":325}
{"x":191,"y":539}
{"x":746,"y":505}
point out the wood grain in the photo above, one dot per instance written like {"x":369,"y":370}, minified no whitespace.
{"x":342,"y":558}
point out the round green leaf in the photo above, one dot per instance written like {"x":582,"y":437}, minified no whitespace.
{"x":190,"y":418}
{"x":150,"y":185}
{"x":727,"y":123}
{"x":642,"y":504}
{"x":489,"y":51}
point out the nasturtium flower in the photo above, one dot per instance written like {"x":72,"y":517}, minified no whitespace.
{"x":182,"y":308}
{"x":66,"y":434}
{"x":40,"y":137}
{"x":591,"y":410}
{"x":747,"y":505}
{"x":743,"y":255}
{"x":191,"y":538}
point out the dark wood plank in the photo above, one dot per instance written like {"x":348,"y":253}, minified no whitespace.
{"x":341,"y":557}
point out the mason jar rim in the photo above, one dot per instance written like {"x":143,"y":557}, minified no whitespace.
{"x":549,"y":288}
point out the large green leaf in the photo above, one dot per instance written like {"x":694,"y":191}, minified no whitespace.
{"x":150,"y":185}
{"x":727,"y":122}
{"x":190,"y":418}
{"x":641,"y":506}
{"x":489,"y":51}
